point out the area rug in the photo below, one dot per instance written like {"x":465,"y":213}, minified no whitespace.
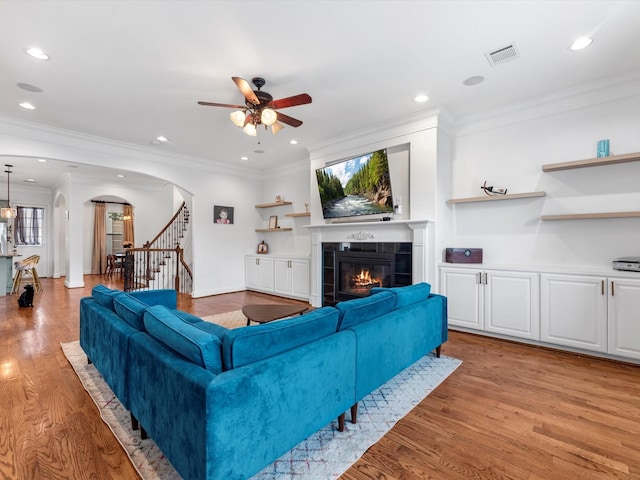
{"x":323,"y":456}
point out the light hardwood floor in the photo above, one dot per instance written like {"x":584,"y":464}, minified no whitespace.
{"x":510,"y":411}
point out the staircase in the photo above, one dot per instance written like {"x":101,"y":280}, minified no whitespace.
{"x":160,"y":263}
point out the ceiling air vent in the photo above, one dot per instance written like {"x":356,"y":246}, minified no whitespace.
{"x":502,"y":55}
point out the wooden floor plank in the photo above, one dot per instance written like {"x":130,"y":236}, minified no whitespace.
{"x":510,"y":411}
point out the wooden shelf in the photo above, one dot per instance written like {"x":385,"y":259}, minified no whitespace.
{"x":302,"y":214}
{"x":588,"y":216}
{"x":273,"y":229}
{"x":592,"y":162}
{"x":491,"y":198}
{"x":274,"y":204}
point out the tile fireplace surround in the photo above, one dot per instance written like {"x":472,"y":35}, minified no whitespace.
{"x":418,"y":232}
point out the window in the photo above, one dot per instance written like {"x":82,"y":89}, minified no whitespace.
{"x":29,"y":225}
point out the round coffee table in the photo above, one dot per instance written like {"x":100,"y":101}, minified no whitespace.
{"x":264,"y":313}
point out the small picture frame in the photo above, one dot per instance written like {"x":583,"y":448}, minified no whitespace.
{"x":222,"y":215}
{"x":263,"y":247}
{"x":273,"y":222}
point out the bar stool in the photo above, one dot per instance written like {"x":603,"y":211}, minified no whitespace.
{"x":26,"y":273}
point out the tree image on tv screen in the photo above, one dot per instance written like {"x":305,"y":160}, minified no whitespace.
{"x":359,"y":186}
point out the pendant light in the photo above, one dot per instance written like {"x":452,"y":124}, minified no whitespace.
{"x":8,"y":212}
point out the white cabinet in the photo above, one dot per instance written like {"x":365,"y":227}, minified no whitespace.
{"x":505,"y":302}
{"x":574,"y":311}
{"x":284,"y":276}
{"x":624,"y":317}
{"x":292,"y":277}
{"x":259,"y":273}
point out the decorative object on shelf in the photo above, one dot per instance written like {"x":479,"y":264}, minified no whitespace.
{"x":223,"y":215}
{"x":463,"y":255}
{"x":361,"y":236}
{"x":603,"y":148}
{"x":8,"y":212}
{"x":278,"y":199}
{"x":273,"y":222}
{"x":306,"y":207}
{"x":263,"y":247}
{"x":491,"y":190}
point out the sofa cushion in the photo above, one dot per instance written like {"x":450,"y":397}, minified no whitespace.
{"x":161,"y":296}
{"x":408,"y":295}
{"x":242,"y":346}
{"x":130,"y":309}
{"x":353,"y":312}
{"x":195,"y":344}
{"x":104,"y":296}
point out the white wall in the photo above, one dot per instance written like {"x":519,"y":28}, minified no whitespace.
{"x":511,"y":155}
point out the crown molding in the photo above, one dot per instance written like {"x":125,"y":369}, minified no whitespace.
{"x":585,"y":95}
{"x":92,"y":143}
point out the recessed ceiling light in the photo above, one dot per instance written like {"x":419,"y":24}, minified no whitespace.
{"x":30,"y":180}
{"x":258,"y":151}
{"x":293,"y":141}
{"x":27,"y":106}
{"x":421,"y":98}
{"x":244,"y":157}
{"x":162,"y":139}
{"x":580,"y":43}
{"x":37,"y":53}
{"x":120,"y":175}
{"x":471,"y":81}
{"x":43,"y":160}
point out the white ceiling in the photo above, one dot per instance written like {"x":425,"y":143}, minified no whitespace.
{"x":130,"y":71}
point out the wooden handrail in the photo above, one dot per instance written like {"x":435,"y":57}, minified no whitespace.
{"x":166,"y":227}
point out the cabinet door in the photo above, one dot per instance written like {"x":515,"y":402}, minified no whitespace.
{"x":624,"y":317}
{"x":252,"y":272}
{"x":300,"y":278}
{"x":574,"y":311}
{"x":266,"y":274}
{"x":512,"y":302}
{"x":282,"y":282}
{"x":462,"y":289}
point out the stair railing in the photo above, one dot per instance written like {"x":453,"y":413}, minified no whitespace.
{"x":160,"y":262}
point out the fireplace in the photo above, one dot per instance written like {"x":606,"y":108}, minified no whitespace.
{"x":350,"y":270}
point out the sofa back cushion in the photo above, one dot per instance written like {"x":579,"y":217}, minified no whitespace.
{"x":193,"y":343}
{"x":354,"y":312}
{"x":104,"y":296}
{"x":408,"y":295}
{"x":130,"y":309}
{"x":242,"y":346}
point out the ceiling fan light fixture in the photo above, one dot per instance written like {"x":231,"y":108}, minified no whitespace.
{"x":250,"y":129}
{"x":268,"y":117}
{"x":276,"y":127}
{"x":237,"y":118}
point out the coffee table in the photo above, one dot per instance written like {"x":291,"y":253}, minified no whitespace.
{"x":263,"y":313}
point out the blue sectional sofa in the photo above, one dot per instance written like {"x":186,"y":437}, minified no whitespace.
{"x":223,"y":404}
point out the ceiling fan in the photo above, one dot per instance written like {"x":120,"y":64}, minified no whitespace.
{"x":260,"y":108}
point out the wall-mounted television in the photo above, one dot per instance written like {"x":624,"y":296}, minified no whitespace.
{"x":357,"y":186}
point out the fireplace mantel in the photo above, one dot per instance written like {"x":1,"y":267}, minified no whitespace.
{"x":418,"y":232}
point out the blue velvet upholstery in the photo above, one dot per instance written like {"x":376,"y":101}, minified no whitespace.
{"x":353,"y":312}
{"x":195,"y":344}
{"x":130,"y":309}
{"x":104,"y":296}
{"x":407,"y":295}
{"x":250,"y":344}
{"x":161,"y":296}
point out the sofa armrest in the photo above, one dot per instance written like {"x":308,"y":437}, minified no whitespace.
{"x":445,"y":314}
{"x":165,"y":297}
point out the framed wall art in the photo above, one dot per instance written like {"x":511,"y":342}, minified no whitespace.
{"x":222,"y":214}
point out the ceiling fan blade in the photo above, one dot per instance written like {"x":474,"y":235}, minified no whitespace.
{"x":226,"y":105}
{"x":301,"y":99}
{"x":293,"y":122}
{"x":246,"y":90}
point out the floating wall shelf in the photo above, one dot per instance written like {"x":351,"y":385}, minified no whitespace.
{"x":273,"y":229}
{"x":274,"y":204}
{"x":302,"y":214}
{"x":491,"y":198}
{"x":592,"y":162}
{"x":589,"y":216}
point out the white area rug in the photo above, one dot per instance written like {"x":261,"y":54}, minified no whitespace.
{"x":323,"y":456}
